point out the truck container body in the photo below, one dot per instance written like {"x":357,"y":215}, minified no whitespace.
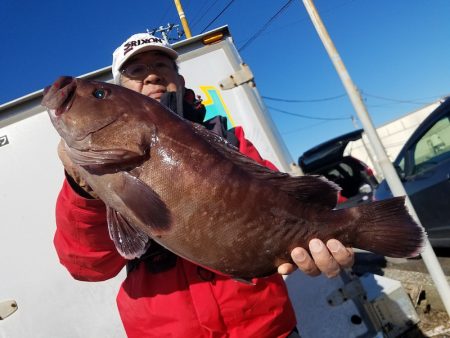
{"x":50,"y":303}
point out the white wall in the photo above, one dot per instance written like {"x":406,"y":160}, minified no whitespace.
{"x":50,"y":302}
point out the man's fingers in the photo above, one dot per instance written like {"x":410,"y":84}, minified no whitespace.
{"x":343,"y":256}
{"x":304,"y":262}
{"x":328,"y":259}
{"x":323,"y":259}
{"x":286,"y":269}
{"x":72,"y":170}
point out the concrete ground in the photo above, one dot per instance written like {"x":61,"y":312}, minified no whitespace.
{"x":413,"y":274}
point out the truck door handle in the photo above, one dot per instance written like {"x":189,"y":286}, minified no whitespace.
{"x":7,"y":308}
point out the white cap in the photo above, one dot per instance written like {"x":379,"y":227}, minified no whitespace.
{"x":135,"y":44}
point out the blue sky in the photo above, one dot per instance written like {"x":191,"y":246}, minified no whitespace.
{"x":396,"y":51}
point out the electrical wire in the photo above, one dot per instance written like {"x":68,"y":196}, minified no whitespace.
{"x":197,"y":19}
{"x":264,"y":27}
{"x":309,"y":116}
{"x":306,"y":18}
{"x":304,"y":100}
{"x":330,"y":98}
{"x":413,"y":101}
{"x":309,"y":126}
{"x":218,"y":15}
{"x":165,"y":13}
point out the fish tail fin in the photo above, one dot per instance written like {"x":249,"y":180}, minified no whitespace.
{"x":389,"y":228}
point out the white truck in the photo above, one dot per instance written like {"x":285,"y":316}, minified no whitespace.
{"x":38,"y":298}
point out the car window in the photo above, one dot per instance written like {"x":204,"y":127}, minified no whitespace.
{"x":347,"y":169}
{"x":341,"y":171}
{"x":433,"y":147}
{"x":346,"y":177}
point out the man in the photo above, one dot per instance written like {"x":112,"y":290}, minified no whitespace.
{"x":165,"y":295}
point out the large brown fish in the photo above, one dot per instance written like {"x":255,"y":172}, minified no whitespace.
{"x":169,"y":179}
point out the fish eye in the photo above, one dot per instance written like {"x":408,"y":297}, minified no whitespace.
{"x":100,"y":93}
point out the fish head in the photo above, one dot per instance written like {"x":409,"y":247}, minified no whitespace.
{"x":101,"y":123}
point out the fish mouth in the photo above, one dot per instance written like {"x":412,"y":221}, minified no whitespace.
{"x":58,"y":97}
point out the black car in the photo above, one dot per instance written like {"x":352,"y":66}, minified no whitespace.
{"x":423,"y":165}
{"x":354,"y":177}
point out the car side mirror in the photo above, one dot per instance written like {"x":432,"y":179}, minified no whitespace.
{"x":400,"y":172}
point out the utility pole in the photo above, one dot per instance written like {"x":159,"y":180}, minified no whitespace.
{"x":396,"y":186}
{"x":165,"y":31}
{"x":183,"y":20}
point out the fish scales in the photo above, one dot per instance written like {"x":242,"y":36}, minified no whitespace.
{"x":172,"y":181}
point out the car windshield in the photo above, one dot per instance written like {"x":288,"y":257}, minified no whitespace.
{"x":433,"y":147}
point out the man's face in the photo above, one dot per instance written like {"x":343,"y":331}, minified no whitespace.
{"x":161,"y":76}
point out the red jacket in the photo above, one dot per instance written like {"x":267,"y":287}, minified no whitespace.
{"x":177,"y":302}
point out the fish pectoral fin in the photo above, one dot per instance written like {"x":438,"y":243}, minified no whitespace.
{"x":129,"y":240}
{"x":144,"y":203}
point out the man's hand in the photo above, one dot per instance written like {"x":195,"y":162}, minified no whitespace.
{"x":73,"y":172}
{"x":328,"y":259}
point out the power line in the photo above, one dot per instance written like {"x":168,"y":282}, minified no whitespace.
{"x":304,"y":100}
{"x":197,"y":19}
{"x":309,"y":116}
{"x":305,"y":127}
{"x":163,"y":17}
{"x":330,"y":98}
{"x":218,"y":15}
{"x":264,"y":27}
{"x":306,"y":18}
{"x":413,"y":101}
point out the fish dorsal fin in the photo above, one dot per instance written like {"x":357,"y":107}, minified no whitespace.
{"x":308,"y":189}
{"x":130,"y":242}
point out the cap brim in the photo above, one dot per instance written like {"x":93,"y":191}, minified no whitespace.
{"x":170,"y":52}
